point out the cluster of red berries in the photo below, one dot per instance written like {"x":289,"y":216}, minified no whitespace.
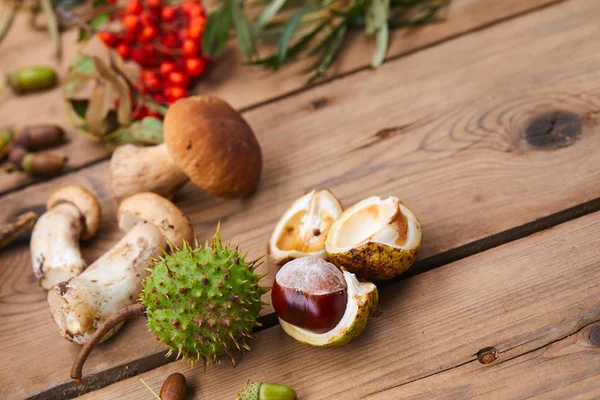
{"x":165,"y":40}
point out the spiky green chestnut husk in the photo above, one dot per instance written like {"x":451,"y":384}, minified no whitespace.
{"x":203,"y":302}
{"x":266,"y":391}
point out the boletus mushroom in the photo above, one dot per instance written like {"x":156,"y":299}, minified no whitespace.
{"x":206,"y":140}
{"x":73,"y":214}
{"x":82,"y":304}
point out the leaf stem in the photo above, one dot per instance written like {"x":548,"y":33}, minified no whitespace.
{"x":149,"y":388}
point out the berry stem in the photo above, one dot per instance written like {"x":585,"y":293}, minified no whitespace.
{"x":134,"y":310}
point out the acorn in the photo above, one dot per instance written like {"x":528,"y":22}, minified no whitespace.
{"x":174,"y":387}
{"x":266,"y":391}
{"x":32,"y":79}
{"x":37,"y":164}
{"x":6,"y":138}
{"x":39,"y":137}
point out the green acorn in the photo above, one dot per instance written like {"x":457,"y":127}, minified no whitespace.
{"x":266,"y":391}
{"x":203,"y":302}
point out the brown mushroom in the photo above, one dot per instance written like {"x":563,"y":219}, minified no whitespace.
{"x":206,"y":140}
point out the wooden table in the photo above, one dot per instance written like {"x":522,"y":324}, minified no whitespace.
{"x":510,"y":258}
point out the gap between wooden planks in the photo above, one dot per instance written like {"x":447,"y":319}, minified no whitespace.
{"x":244,"y":87}
{"x":524,"y":298}
{"x":422,"y":140}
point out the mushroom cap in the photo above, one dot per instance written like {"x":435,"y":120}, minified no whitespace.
{"x":213,"y":145}
{"x":151,"y":208}
{"x":84,"y":201}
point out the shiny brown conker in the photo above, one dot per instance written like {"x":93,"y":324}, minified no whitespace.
{"x":310,"y":293}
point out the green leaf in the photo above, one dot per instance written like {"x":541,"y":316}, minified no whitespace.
{"x":216,"y":31}
{"x":96,"y":23}
{"x":294,"y":50}
{"x":330,"y":53}
{"x":80,"y":107}
{"x":153,"y":106}
{"x":100,"y":20}
{"x":83,"y":65}
{"x":209,"y":37}
{"x":244,"y":31}
{"x":268,"y":13}
{"x":381,"y":39}
{"x":287,"y":34}
{"x":377,"y":15}
{"x":147,"y":131}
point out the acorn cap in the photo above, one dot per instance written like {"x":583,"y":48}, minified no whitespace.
{"x":84,"y":201}
{"x":151,"y":208}
{"x":213,"y":145}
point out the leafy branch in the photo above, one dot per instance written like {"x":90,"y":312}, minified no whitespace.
{"x":315,"y":27}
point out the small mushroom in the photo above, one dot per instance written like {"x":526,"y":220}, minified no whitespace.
{"x":206,"y":140}
{"x":73,"y":214}
{"x":82,"y":304}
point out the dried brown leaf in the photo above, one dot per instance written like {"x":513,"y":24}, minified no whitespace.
{"x":97,"y":111}
{"x":124,"y":110}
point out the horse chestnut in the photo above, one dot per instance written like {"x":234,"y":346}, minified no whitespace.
{"x":310,"y":293}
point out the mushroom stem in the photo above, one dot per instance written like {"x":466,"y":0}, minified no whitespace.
{"x":135,"y":169}
{"x":80,"y":305}
{"x":134,"y":310}
{"x":73,"y":214}
{"x":55,"y":252}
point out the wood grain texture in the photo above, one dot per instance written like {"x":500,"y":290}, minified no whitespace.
{"x":520,"y":298}
{"x":568,"y":368}
{"x":242,"y":86}
{"x":446,"y":136}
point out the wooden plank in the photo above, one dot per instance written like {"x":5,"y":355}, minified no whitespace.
{"x":566,"y":369}
{"x":242,"y":86}
{"x":519,"y":298}
{"x":443,"y":122}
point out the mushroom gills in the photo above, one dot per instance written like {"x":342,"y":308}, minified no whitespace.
{"x":302,"y":229}
{"x":80,"y":305}
{"x":55,"y":252}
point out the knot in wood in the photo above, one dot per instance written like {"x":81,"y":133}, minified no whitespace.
{"x":487,"y":355}
{"x":595,"y":336}
{"x":554,"y":129}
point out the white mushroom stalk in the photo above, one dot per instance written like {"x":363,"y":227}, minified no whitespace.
{"x":82,"y":304}
{"x":135,"y":169}
{"x":73,"y":214}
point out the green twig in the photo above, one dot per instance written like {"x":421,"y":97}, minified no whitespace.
{"x":149,"y":388}
{"x":52,"y":26}
{"x":7,"y":18}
